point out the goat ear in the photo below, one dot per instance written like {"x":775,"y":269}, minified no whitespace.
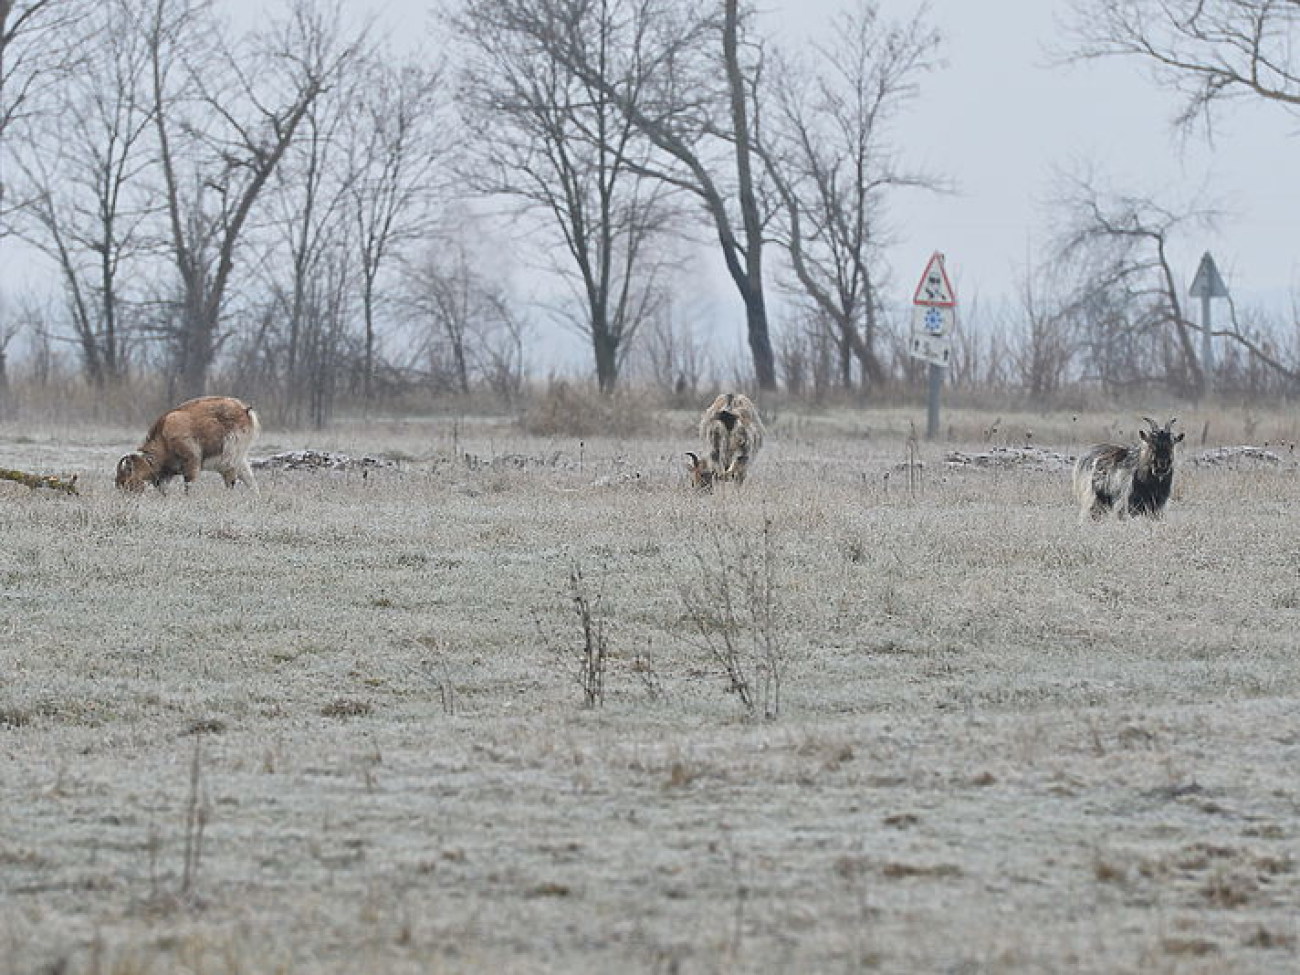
{"x":1179,"y":438}
{"x":1142,"y":434}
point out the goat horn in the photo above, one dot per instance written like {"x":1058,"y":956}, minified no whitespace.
{"x":1170,"y":424}
{"x":1154,"y":424}
{"x":693,"y":457}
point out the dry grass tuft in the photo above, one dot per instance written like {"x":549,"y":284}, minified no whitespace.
{"x":1192,"y":947}
{"x":1110,"y":870}
{"x":15,"y":717}
{"x":1262,"y":937}
{"x":568,"y":409}
{"x":205,"y":726}
{"x":896,"y":871}
{"x":347,"y":707}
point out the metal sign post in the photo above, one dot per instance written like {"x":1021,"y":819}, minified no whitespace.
{"x":1207,"y":284}
{"x":934,"y":316}
{"x":932,"y":402}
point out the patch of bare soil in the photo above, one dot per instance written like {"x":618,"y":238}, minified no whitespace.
{"x":1007,"y":458}
{"x":320,"y":460}
{"x":1242,"y":455}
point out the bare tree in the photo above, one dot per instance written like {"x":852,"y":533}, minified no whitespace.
{"x":8,"y":332}
{"x":686,"y":80}
{"x":468,"y":326}
{"x":501,"y":349}
{"x":1211,"y":51}
{"x":327,"y":348}
{"x":308,"y":206}
{"x":1044,"y":351}
{"x":83,"y":163}
{"x":399,"y":138}
{"x":37,"y":40}
{"x":32,"y":319}
{"x":671,"y":354}
{"x":447,"y":292}
{"x":743,"y":253}
{"x":224,"y":117}
{"x":807,"y":353}
{"x":560,"y":144}
{"x":1127,"y":286}
{"x":1263,"y":354}
{"x":831,"y":159}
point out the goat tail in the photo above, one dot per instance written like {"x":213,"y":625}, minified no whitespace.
{"x":1083,"y":475}
{"x":1093,"y":474}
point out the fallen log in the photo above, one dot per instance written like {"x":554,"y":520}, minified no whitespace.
{"x":68,"y":485}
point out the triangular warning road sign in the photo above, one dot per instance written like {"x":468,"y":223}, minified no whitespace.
{"x":1208,"y":283}
{"x":935,"y":288}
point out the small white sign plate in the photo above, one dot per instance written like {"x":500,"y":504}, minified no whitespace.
{"x":935,"y":349}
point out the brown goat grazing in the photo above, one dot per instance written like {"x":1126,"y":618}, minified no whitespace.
{"x":1132,"y":481}
{"x":732,"y":433}
{"x":211,"y":432}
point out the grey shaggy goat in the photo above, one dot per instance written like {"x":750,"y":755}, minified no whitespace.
{"x":732,"y":433}
{"x":1131,"y":481}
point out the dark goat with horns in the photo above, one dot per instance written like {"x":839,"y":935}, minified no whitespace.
{"x":1131,"y":481}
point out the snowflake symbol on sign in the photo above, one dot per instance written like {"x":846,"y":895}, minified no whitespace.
{"x":933,"y":321}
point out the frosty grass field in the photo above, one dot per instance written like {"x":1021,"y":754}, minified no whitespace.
{"x":341,"y":727}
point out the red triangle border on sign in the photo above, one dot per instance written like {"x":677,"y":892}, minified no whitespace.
{"x":949,"y":300}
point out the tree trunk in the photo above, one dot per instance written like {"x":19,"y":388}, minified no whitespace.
{"x":606,"y":362}
{"x":195,"y":352}
{"x":1197,"y":379}
{"x":192,"y":369}
{"x":368,"y":355}
{"x":760,"y":342}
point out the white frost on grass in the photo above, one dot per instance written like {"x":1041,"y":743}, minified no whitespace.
{"x":1004,"y":744}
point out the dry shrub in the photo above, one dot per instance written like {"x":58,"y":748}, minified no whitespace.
{"x":593,"y":620}
{"x":733,"y":606}
{"x":569,"y":410}
{"x":346,"y":707}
